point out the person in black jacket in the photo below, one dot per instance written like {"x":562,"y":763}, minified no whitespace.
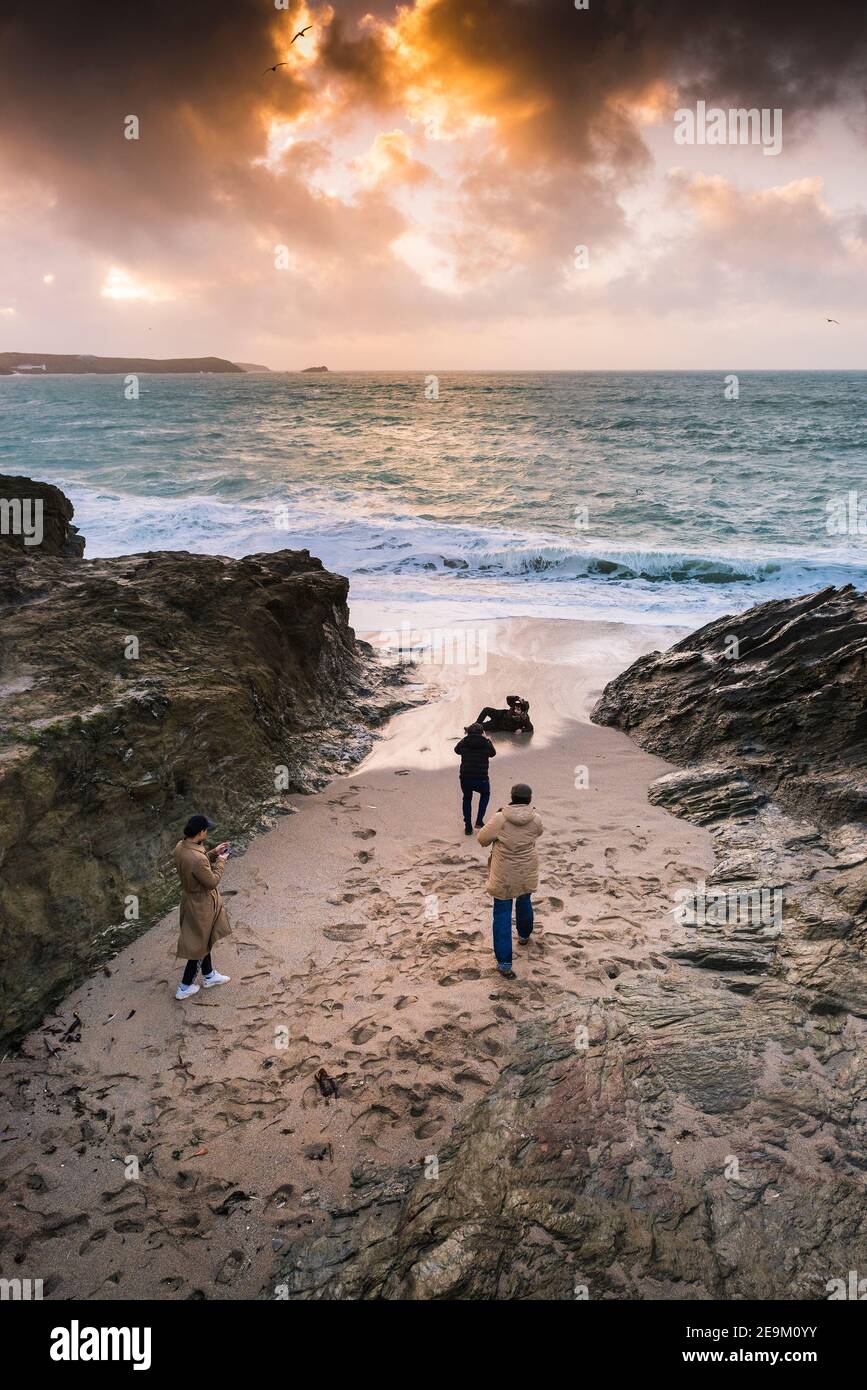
{"x":474,"y":752}
{"x":514,"y":720}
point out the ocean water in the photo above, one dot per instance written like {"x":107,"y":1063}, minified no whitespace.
{"x":629,"y":496}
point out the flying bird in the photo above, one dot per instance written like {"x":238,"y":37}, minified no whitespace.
{"x":299,"y":35}
{"x":837,"y":321}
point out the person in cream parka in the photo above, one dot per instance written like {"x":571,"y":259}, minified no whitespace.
{"x":513,"y":870}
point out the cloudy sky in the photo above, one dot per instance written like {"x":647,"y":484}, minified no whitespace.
{"x":411,"y":188}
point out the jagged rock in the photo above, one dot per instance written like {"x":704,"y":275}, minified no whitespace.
{"x":53,"y":510}
{"x":788,"y":712}
{"x":133,"y":692}
{"x":776,"y":739}
{"x":706,"y":795}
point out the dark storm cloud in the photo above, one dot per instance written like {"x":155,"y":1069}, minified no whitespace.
{"x":192,"y":71}
{"x":551,"y":89}
{"x":549,"y":72}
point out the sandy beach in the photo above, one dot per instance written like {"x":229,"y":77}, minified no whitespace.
{"x":362,"y":946}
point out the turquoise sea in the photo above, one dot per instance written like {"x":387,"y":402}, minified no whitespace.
{"x":632,"y":496}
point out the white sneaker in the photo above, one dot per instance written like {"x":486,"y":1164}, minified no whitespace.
{"x":184,"y":991}
{"x":215,"y":978}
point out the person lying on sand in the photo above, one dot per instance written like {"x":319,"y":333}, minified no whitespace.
{"x":203,"y":919}
{"x":474,"y":752}
{"x":513,"y":720}
{"x":513,"y":871}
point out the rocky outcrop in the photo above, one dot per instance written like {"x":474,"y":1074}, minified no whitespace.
{"x":696,"y":1143}
{"x":701,"y":1132}
{"x":36,"y":518}
{"x":133,"y":692}
{"x":779,"y":692}
{"x":770,"y":712}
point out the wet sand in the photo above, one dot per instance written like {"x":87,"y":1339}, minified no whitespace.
{"x":361,"y":945}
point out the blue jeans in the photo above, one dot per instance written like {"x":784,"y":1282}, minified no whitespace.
{"x":503,"y":926}
{"x":482,"y":785}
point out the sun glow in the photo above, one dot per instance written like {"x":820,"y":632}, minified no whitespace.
{"x":119,"y":284}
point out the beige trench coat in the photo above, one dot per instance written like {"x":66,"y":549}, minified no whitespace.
{"x":203,"y":917}
{"x":513,"y":868}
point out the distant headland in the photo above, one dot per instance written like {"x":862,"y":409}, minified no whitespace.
{"x":314,"y":369}
{"x":52,"y":363}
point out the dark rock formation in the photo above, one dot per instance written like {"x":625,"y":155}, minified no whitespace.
{"x":314,"y":369}
{"x":702,"y":1132}
{"x":662,"y":1160}
{"x":776,"y":737}
{"x":65,"y":364}
{"x":24,"y":501}
{"x":133,"y":692}
{"x":788,"y":707}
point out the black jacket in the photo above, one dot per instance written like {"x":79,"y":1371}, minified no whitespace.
{"x":474,"y":752}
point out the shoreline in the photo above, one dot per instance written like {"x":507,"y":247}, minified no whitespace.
{"x":361,"y":944}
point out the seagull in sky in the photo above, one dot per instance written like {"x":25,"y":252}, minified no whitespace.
{"x":837,"y":321}
{"x":299,"y":35}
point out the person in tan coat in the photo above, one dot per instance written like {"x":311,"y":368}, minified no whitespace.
{"x":203,"y":918}
{"x":513,"y":870}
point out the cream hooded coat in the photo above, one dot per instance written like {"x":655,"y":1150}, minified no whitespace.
{"x":513,"y":868}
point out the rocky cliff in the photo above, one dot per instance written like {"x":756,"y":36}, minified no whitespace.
{"x":701,"y":1132}
{"x":134,"y":692}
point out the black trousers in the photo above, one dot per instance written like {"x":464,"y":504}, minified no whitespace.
{"x":482,"y":785}
{"x":192,"y":966}
{"x":494,"y":718}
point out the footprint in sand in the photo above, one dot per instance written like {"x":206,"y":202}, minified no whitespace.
{"x":363,"y":834}
{"x":469,"y":972}
{"x":280,"y":1196}
{"x":363,"y":1032}
{"x":364,"y":856}
{"x":343,"y":932}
